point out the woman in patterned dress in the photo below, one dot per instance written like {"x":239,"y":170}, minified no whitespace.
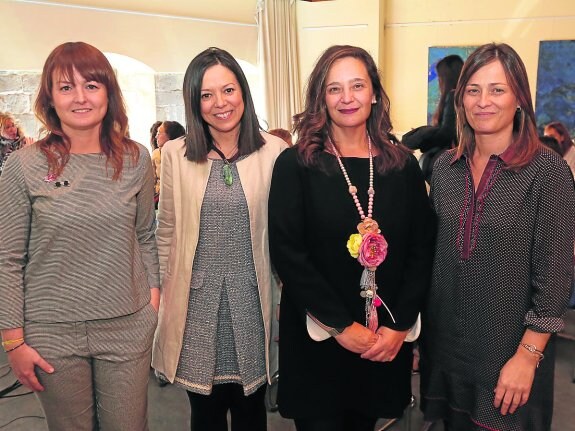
{"x":503,"y":263}
{"x":80,"y":277}
{"x":214,"y":336}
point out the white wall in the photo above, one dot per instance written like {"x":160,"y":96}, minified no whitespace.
{"x":340,"y":22}
{"x":156,"y":44}
{"x":166,"y":44}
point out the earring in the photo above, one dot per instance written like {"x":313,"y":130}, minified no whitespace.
{"x":519,"y":109}
{"x":373,"y":101}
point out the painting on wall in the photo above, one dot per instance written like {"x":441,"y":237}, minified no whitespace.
{"x":436,"y":53}
{"x":555,"y":95}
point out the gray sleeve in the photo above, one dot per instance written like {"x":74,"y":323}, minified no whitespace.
{"x":146,"y":220}
{"x":15,"y":218}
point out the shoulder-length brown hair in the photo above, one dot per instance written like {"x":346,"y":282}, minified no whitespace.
{"x":89,"y":62}
{"x":448,"y":71}
{"x":313,"y":124}
{"x":525,"y":137}
{"x":173,"y":129}
{"x":198,"y":137}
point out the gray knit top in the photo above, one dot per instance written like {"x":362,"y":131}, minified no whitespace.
{"x":77,"y":247}
{"x":224,"y":340}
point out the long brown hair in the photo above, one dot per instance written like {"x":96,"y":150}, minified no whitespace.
{"x":525,"y":137}
{"x":198,"y":136}
{"x":313,"y":124}
{"x":448,"y":71}
{"x":89,"y":62}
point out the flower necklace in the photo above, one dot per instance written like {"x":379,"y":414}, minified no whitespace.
{"x":226,"y":168}
{"x":368,"y":246}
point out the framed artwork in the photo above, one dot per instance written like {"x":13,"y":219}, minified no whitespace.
{"x":436,"y":53}
{"x":555,"y":91}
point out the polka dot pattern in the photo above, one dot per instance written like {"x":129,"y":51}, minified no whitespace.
{"x":516,"y":275}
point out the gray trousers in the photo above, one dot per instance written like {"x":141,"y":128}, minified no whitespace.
{"x":101,"y":370}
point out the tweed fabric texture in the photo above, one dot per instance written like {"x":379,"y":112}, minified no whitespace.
{"x":224,"y":340}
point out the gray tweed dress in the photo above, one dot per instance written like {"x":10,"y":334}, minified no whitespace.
{"x":224,"y":340}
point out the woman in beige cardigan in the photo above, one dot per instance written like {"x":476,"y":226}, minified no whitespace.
{"x":214,"y":335}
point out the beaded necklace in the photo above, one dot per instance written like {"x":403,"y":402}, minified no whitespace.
{"x":353,"y":190}
{"x":368,"y":246}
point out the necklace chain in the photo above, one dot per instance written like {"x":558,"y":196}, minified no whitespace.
{"x":220,"y":151}
{"x":352,"y":189}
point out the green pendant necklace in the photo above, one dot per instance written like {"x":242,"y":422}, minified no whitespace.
{"x":227,"y":172}
{"x":227,"y":168}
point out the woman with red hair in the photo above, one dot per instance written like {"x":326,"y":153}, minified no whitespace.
{"x":79,"y":278}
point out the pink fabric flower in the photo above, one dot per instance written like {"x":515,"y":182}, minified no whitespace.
{"x":373,"y":250}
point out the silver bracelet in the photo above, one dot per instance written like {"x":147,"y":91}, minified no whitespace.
{"x":531,"y":348}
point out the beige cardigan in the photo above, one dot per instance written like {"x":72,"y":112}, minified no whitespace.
{"x":183,"y":184}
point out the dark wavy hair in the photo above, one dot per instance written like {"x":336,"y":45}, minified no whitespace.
{"x":153,"y":134}
{"x":313,"y":124}
{"x":448,"y":71}
{"x":198,"y":137}
{"x":525,"y":136}
{"x":562,"y":131}
{"x":173,"y":129}
{"x":89,"y":62}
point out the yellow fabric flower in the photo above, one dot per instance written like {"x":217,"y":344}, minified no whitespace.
{"x":353,"y":244}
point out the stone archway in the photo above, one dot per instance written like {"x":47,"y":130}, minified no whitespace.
{"x":137,"y":81}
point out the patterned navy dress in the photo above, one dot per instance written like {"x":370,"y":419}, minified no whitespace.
{"x":503,"y":264}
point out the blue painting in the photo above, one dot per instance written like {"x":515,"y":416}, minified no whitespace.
{"x":555,"y":99}
{"x":436,"y":53}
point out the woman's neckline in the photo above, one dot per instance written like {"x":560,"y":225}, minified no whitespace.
{"x":350,"y":157}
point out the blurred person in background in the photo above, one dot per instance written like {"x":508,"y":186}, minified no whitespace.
{"x":11,"y":137}
{"x":441,"y":135}
{"x":166,"y":131}
{"x":558,"y":131}
{"x":282,"y":133}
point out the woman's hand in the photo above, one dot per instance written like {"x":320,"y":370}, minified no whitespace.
{"x":515,"y":380}
{"x":356,"y":338}
{"x":23,"y":360}
{"x":387,"y":345}
{"x":155,"y":298}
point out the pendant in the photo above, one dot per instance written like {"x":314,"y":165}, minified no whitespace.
{"x":227,"y":173}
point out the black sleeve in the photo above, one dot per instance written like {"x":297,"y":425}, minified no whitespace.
{"x":446,"y":135}
{"x":419,"y":138}
{"x":303,"y":285}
